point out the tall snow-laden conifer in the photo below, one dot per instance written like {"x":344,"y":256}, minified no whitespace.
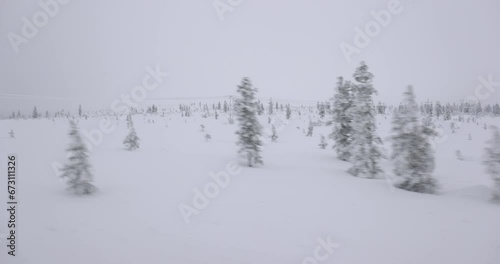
{"x":250,"y":129}
{"x":77,"y":169}
{"x":492,"y":162}
{"x":342,"y":122}
{"x":412,"y":151}
{"x":404,"y":119}
{"x":365,"y":149}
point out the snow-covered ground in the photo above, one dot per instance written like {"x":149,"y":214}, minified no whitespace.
{"x":276,"y":213}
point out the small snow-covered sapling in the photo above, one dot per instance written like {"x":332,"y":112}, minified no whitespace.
{"x":274,"y":136}
{"x":323,"y":144}
{"x":310,"y":129}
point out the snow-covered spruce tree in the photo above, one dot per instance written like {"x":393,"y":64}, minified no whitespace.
{"x":288,"y":111}
{"x":270,"y":107}
{"x":322,"y":110}
{"x":129,"y":121}
{"x":250,"y":130}
{"x":412,"y":150}
{"x":323,"y":144}
{"x":310,"y":129}
{"x":453,"y":127}
{"x":35,"y":113}
{"x":404,"y":119}
{"x":131,"y":141}
{"x":492,"y":162}
{"x":77,"y":169}
{"x":274,"y":135}
{"x":342,"y":122}
{"x":365,"y":150}
{"x":11,"y":134}
{"x":447,"y":114}
{"x":260,"y":108}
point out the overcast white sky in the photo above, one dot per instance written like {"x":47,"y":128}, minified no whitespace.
{"x":92,"y":51}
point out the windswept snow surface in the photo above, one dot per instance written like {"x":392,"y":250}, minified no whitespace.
{"x":276,"y":213}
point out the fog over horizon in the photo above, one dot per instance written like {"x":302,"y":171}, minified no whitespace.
{"x":91,"y":52}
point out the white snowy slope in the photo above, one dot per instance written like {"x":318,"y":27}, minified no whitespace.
{"x":273,"y":213}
